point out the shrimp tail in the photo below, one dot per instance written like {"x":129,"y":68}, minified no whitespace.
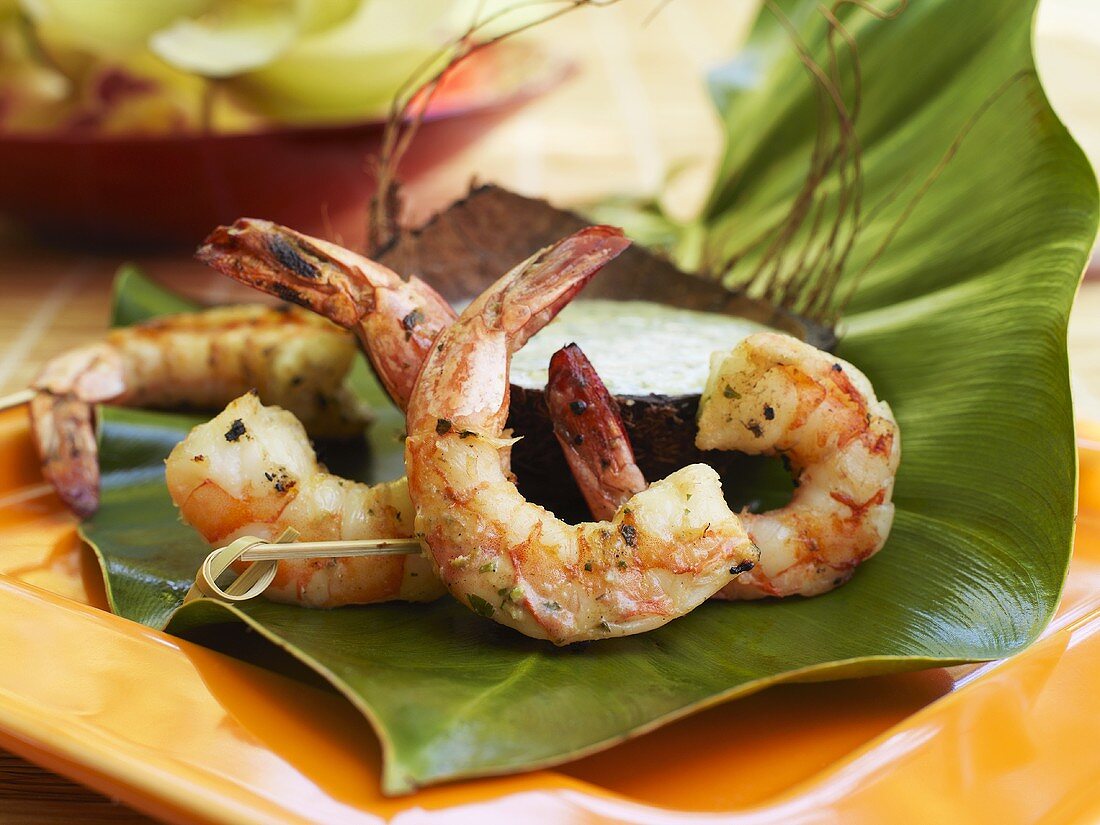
{"x":396,"y":320}
{"x":64,"y":432}
{"x":291,"y":266}
{"x":591,"y":432}
{"x":62,"y":417}
{"x":509,"y":312}
{"x":535,"y":291}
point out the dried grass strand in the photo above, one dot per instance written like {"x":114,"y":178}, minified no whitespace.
{"x":807,"y":281}
{"x":413,"y":99}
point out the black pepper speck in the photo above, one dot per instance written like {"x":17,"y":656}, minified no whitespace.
{"x":630,"y":534}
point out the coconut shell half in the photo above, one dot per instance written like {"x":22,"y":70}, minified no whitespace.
{"x":469,"y":245}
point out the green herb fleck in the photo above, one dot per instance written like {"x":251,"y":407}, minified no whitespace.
{"x":480,"y":606}
{"x":551,"y":605}
{"x":488,"y":567}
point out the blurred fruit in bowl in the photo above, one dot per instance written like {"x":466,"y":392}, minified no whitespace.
{"x":170,"y":53}
{"x":172,"y":188}
{"x":149,"y":123}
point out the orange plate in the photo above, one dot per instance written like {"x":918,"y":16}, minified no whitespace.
{"x":187,"y":734}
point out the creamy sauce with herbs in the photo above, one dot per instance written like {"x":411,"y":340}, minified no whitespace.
{"x":637,"y":347}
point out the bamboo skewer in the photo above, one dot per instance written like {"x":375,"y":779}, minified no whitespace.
{"x":265,"y":556}
{"x":331,"y":549}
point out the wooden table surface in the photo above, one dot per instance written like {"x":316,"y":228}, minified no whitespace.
{"x":635,"y":112}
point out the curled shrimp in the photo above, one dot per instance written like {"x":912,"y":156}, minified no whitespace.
{"x":195,"y":360}
{"x":773,"y":395}
{"x":396,"y":320}
{"x":251,"y":471}
{"x":664,"y":552}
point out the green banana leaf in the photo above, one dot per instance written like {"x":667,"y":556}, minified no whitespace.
{"x":135,"y":298}
{"x":960,"y":325}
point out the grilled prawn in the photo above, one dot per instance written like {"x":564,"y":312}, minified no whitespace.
{"x":772,"y":395}
{"x":251,"y":471}
{"x":663,"y":552}
{"x":198,"y":360}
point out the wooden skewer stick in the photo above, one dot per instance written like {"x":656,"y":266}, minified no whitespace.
{"x":16,"y":399}
{"x":265,"y":556}
{"x":331,"y":549}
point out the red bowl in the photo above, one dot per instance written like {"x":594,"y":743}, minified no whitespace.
{"x":170,"y":190}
